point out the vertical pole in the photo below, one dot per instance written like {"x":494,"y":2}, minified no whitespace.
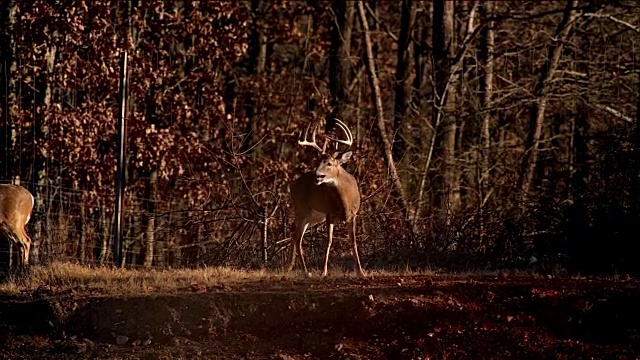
{"x":117,"y":224}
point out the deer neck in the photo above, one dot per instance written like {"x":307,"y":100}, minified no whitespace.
{"x":337,"y":180}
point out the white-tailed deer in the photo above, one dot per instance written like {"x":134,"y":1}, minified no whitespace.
{"x":16,"y":204}
{"x":328,"y":193}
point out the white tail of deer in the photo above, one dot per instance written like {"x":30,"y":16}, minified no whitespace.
{"x":328,"y":193}
{"x":16,"y":204}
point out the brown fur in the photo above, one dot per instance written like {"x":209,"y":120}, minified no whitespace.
{"x":16,"y":204}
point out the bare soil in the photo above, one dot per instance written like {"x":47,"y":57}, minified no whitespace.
{"x":384,"y":317}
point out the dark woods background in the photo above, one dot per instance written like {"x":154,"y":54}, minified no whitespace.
{"x":487,"y":132}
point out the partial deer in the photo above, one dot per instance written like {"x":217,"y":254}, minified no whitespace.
{"x":16,"y":204}
{"x":328,"y":193}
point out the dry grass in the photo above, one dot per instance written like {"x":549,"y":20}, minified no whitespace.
{"x":61,"y":277}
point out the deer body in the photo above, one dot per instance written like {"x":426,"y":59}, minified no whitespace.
{"x":16,"y":204}
{"x":328,"y":194}
{"x":327,"y":200}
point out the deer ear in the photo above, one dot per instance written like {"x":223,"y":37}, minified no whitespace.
{"x":344,"y":157}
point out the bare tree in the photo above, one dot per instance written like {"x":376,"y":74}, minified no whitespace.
{"x":46,"y":97}
{"x":402,"y":84}
{"x":445,"y":102}
{"x":487,"y":48}
{"x":255,"y":65}
{"x":540,"y":92}
{"x":382,"y":133}
{"x":421,"y":51}
{"x":339,"y":61}
{"x":8,"y":84}
{"x":151,"y":187}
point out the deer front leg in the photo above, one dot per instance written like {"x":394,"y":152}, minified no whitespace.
{"x":296,"y":244}
{"x":330,"y":239}
{"x":294,"y":254}
{"x":352,"y":235}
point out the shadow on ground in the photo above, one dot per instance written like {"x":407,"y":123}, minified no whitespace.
{"x":388,"y":317}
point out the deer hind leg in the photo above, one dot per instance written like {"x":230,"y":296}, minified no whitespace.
{"x":16,"y":257}
{"x":356,"y":257}
{"x":16,"y":251}
{"x":330,"y":240}
{"x":296,"y":244}
{"x":22,"y":254}
{"x":11,"y":260}
{"x":26,"y":247}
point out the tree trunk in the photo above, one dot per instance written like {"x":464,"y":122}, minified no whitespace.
{"x":255,"y":66}
{"x":403,"y":85}
{"x":82,"y":226}
{"x":264,"y":235}
{"x":339,"y":61}
{"x":39,"y":185}
{"x":130,"y":245}
{"x":8,"y":85}
{"x":105,"y":224}
{"x":448,"y":190}
{"x":487,"y":48}
{"x":421,"y":49}
{"x":382,"y":133}
{"x":578,"y":223}
{"x":150,"y":215}
{"x":635,"y":185}
{"x":546,"y":74}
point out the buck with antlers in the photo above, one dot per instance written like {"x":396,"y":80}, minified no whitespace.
{"x":328,"y":193}
{"x":16,"y":204}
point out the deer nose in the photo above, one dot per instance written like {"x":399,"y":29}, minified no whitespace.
{"x":319,"y":178}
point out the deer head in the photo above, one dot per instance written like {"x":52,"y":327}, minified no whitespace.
{"x":330,"y":165}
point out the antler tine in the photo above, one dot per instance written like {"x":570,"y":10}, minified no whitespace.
{"x":346,"y":131}
{"x":312,"y":143}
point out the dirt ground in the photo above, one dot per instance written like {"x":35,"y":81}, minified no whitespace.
{"x":384,"y":317}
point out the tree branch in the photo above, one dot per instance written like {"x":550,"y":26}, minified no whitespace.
{"x":615,"y":20}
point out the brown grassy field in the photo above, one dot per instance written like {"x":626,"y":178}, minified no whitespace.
{"x":68,"y":311}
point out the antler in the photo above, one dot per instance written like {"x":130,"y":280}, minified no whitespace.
{"x":346,"y":131}
{"x":313,"y":142}
{"x":313,"y":138}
